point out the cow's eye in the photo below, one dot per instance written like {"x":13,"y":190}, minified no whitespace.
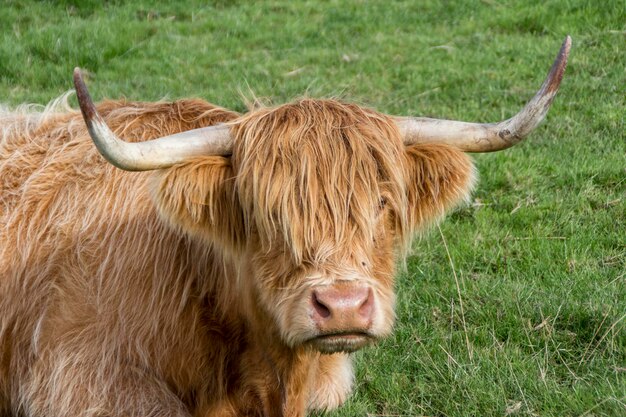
{"x":382,"y":203}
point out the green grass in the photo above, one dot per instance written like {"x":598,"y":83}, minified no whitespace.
{"x":540,"y":256}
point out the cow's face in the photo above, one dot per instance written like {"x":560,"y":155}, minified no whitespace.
{"x":317,"y":201}
{"x":322,"y":188}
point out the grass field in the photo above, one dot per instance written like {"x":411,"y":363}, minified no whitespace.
{"x":534,"y":323}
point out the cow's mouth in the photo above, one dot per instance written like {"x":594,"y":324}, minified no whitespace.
{"x":341,"y":342}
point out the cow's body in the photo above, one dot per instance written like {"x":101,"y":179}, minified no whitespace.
{"x":113,"y":304}
{"x":235,"y":275}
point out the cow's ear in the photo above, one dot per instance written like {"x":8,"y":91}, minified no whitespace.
{"x":199,"y":198}
{"x":439,"y":178}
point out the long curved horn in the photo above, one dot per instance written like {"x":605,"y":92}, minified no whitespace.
{"x":489,"y":137}
{"x":155,"y":154}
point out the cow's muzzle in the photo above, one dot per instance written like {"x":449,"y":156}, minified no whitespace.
{"x":343,"y":315}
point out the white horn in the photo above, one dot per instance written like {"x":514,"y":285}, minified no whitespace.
{"x":155,"y":154}
{"x":489,"y":137}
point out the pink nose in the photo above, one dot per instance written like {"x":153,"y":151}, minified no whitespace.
{"x":342,"y":307}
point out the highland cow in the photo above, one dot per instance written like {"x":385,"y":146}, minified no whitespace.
{"x":233,"y":275}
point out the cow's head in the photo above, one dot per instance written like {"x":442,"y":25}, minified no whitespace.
{"x":316,"y":199}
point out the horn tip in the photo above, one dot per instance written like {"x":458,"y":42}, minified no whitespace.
{"x":78,"y":76}
{"x":82,"y":94}
{"x":558,"y":68}
{"x":568,"y":40}
{"x":565,"y":47}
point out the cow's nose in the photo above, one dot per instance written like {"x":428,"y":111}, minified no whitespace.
{"x":342,"y":307}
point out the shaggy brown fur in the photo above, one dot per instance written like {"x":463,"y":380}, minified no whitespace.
{"x":182,"y":291}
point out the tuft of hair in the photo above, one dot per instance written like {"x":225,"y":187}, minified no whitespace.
{"x":312,"y":174}
{"x":27,"y":117}
{"x":442,"y":179}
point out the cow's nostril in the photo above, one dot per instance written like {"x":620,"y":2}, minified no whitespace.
{"x":320,"y":308}
{"x":367,"y":306}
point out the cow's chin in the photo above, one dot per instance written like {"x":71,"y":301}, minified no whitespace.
{"x":340,"y":342}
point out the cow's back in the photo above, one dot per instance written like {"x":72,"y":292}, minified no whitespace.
{"x":80,"y":240}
